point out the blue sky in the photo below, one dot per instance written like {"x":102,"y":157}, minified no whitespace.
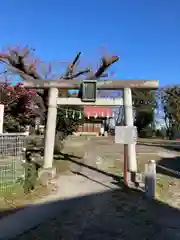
{"x":144,"y":33}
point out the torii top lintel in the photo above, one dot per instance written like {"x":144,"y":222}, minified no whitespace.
{"x":101,"y":84}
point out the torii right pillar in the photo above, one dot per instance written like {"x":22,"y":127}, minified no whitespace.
{"x":130,"y":149}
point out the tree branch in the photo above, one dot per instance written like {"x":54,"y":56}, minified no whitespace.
{"x":17,"y":62}
{"x":71,"y":67}
{"x":78,"y":74}
{"x":104,"y":66}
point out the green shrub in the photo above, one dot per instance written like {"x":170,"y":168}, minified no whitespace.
{"x":146,"y":133}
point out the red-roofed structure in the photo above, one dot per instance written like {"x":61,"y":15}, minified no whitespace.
{"x":98,"y":111}
{"x":95,"y":118}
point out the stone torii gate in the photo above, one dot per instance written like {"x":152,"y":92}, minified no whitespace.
{"x":53,"y":86}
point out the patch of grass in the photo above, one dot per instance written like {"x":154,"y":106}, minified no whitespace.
{"x":61,"y":165}
{"x":166,"y":189}
{"x":15,"y":199}
{"x":161,"y":188}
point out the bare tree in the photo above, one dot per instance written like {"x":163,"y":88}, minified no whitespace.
{"x":21,"y":61}
{"x":170,"y":99}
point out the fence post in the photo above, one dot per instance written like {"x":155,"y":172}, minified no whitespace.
{"x":150,"y":179}
{"x":1,"y":118}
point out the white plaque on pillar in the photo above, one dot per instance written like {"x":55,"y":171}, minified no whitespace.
{"x":125,"y":134}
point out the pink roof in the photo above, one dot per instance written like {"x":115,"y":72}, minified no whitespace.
{"x":96,"y":111}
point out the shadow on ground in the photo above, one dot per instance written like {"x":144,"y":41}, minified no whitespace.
{"x":167,"y":146}
{"x":113,"y":214}
{"x":117,"y":213}
{"x":169,"y":166}
{"x":74,"y":159}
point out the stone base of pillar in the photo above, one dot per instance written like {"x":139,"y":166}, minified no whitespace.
{"x":46,"y":175}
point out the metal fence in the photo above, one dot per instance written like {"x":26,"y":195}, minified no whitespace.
{"x":11,"y":159}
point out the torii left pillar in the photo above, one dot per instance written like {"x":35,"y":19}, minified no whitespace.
{"x":50,"y":128}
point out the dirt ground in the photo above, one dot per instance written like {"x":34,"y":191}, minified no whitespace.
{"x":109,"y":158}
{"x":115,"y":213}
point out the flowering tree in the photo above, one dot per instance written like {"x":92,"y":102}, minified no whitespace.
{"x":19,"y":107}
